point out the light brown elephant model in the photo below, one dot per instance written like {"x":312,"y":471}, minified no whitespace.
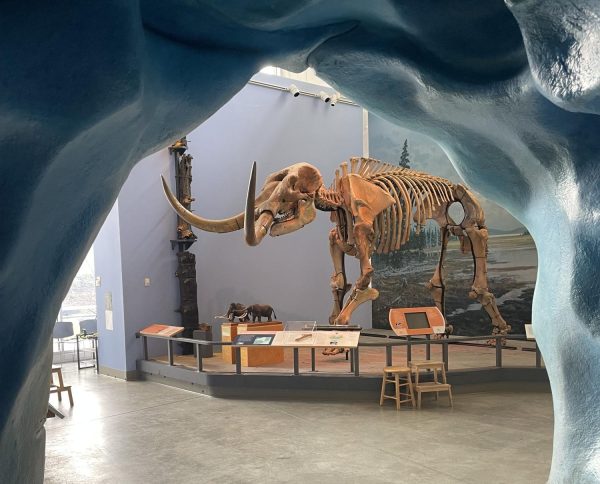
{"x":373,"y":205}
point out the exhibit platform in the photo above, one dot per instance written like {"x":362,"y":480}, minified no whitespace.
{"x":472,"y":367}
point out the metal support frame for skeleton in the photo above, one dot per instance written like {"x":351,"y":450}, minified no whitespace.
{"x":373,"y":205}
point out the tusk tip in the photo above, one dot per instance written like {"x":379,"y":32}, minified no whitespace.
{"x":164,"y":183}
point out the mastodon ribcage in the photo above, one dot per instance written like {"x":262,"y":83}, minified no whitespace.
{"x":417,"y":196}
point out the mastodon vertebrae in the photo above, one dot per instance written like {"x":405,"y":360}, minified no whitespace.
{"x":373,"y":205}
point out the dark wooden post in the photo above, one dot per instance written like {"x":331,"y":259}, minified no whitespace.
{"x":186,"y":267}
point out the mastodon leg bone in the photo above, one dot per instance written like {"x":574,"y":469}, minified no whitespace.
{"x":479,"y":290}
{"x":339,"y":287}
{"x":364,"y":235}
{"x":357,"y":297}
{"x":436,"y":283}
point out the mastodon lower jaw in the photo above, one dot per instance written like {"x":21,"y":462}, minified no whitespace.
{"x":221,"y":226}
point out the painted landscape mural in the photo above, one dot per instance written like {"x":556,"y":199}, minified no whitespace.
{"x":401,"y":276}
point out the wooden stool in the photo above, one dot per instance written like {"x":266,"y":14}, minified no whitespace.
{"x":434,"y":386}
{"x":58,"y":389}
{"x":402,"y":378}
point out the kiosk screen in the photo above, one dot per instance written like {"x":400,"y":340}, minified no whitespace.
{"x":417,"y":320}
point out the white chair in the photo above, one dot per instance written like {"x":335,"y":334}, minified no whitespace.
{"x":88,"y":326}
{"x":63,"y":330}
{"x":87,"y":333}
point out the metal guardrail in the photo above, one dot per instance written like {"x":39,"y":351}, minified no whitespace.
{"x":354,"y":354}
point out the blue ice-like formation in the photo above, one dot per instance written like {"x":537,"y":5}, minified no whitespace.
{"x":511,"y":91}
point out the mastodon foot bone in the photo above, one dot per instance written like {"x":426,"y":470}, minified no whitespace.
{"x":332,"y":351}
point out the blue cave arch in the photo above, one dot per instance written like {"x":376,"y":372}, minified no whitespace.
{"x":510,"y":90}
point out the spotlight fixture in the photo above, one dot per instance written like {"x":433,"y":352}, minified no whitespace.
{"x":293,"y":90}
{"x":324,"y":96}
{"x":335,"y":98}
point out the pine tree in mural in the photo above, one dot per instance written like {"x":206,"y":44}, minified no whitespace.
{"x":404,"y":158}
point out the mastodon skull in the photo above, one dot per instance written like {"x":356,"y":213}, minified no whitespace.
{"x":290,"y":205}
{"x":285,"y":204}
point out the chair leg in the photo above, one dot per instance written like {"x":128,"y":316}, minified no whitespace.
{"x":382,"y":389}
{"x":450,"y":397}
{"x":60,"y":384}
{"x":397,"y":384}
{"x":419,"y":399}
{"x":60,"y":378}
{"x":410,"y":390}
{"x":70,"y":396}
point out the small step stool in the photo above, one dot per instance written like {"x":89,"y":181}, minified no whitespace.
{"x":58,"y":389}
{"x":434,"y":386}
{"x":401,"y":378}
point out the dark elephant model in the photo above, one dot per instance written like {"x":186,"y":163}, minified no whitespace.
{"x":237,"y":310}
{"x":258,"y":310}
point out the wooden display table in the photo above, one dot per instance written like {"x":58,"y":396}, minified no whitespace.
{"x":251,"y":356}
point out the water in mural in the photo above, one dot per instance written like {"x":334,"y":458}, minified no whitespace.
{"x":401,"y":276}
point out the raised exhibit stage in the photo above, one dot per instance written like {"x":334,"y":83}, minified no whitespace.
{"x":471,"y":368}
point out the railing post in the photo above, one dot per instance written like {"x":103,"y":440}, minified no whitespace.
{"x":199,"y":360}
{"x":296,"y":364}
{"x":145,"y":346}
{"x":428,"y":347}
{"x":445,"y":353}
{"x":313,"y":359}
{"x":498,"y":352}
{"x":356,"y":364}
{"x":170,"y":351}
{"x":408,"y":350}
{"x":388,"y":355}
{"x":538,"y":356}
{"x":238,"y":360}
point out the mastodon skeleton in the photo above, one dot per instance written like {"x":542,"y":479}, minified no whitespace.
{"x":374,"y":206}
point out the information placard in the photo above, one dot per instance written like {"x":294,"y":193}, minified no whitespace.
{"x":161,"y":330}
{"x":292,"y":339}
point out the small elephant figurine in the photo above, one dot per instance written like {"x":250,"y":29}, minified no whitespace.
{"x":237,"y":310}
{"x":259,"y":310}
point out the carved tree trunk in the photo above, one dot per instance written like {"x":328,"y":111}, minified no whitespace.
{"x":186,"y":272}
{"x":183,"y":180}
{"x":186,"y":267}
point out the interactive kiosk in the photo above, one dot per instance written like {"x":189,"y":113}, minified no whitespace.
{"x":417,"y":321}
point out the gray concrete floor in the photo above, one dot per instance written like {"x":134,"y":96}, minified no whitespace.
{"x":143,"y":432}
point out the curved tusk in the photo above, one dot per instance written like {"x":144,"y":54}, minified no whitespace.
{"x":254,"y":232}
{"x":250,"y":208}
{"x":221,"y":226}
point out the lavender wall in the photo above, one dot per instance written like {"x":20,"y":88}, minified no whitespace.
{"x":107,"y":261}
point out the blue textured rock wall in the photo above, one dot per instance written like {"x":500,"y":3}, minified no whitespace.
{"x":510,"y":91}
